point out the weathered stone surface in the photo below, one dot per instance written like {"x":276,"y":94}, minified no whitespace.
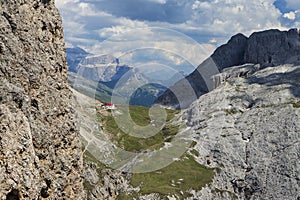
{"x":232,"y":53}
{"x":235,"y":71}
{"x":104,"y":183}
{"x":248,"y":128}
{"x":40,"y":148}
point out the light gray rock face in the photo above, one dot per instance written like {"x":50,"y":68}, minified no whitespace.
{"x":267,"y":48}
{"x":235,"y":71}
{"x":104,"y":68}
{"x":248,"y":129}
{"x":40,"y":153}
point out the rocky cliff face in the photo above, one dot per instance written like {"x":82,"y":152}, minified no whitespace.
{"x":267,"y":48}
{"x":273,"y":47}
{"x":40,"y":154}
{"x":248,"y":129}
{"x":103,"y":68}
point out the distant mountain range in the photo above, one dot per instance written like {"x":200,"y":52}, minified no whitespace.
{"x":103,"y":76}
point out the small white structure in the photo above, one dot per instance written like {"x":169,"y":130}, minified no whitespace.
{"x":109,"y":106}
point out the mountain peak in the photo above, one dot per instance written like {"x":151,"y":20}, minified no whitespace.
{"x":266,"y":48}
{"x":231,"y":53}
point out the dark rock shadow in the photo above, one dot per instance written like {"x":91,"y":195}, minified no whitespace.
{"x":291,"y":78}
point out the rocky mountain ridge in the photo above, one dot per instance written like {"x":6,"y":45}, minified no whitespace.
{"x":267,"y":48}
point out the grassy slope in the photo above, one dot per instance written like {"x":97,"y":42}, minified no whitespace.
{"x":177,"y":178}
{"x":140,"y":116}
{"x":181,"y":175}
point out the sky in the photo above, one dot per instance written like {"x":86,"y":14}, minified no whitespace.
{"x":175,"y":33}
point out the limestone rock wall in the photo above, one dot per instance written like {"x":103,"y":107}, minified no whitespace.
{"x":40,"y":151}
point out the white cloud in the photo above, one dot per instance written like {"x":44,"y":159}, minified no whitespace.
{"x":149,"y":44}
{"x":158,"y":1}
{"x":213,"y":40}
{"x":124,"y":25}
{"x":229,"y":17}
{"x":291,"y":15}
{"x":200,"y":5}
{"x":81,"y":9}
{"x":62,"y":3}
{"x":213,"y":22}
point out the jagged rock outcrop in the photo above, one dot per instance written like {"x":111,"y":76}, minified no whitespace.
{"x":40,"y":151}
{"x":235,"y":71}
{"x":232,"y":53}
{"x":248,"y":129}
{"x":104,"y":183}
{"x":267,"y":48}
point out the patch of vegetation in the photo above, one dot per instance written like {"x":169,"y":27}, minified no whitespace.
{"x":296,"y":104}
{"x":88,"y":187}
{"x":140,"y":116}
{"x":195,"y":152}
{"x":87,"y":156}
{"x":231,"y":111}
{"x":193,"y":144}
{"x":134,"y":144}
{"x":177,"y":178}
{"x":124,"y":196}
